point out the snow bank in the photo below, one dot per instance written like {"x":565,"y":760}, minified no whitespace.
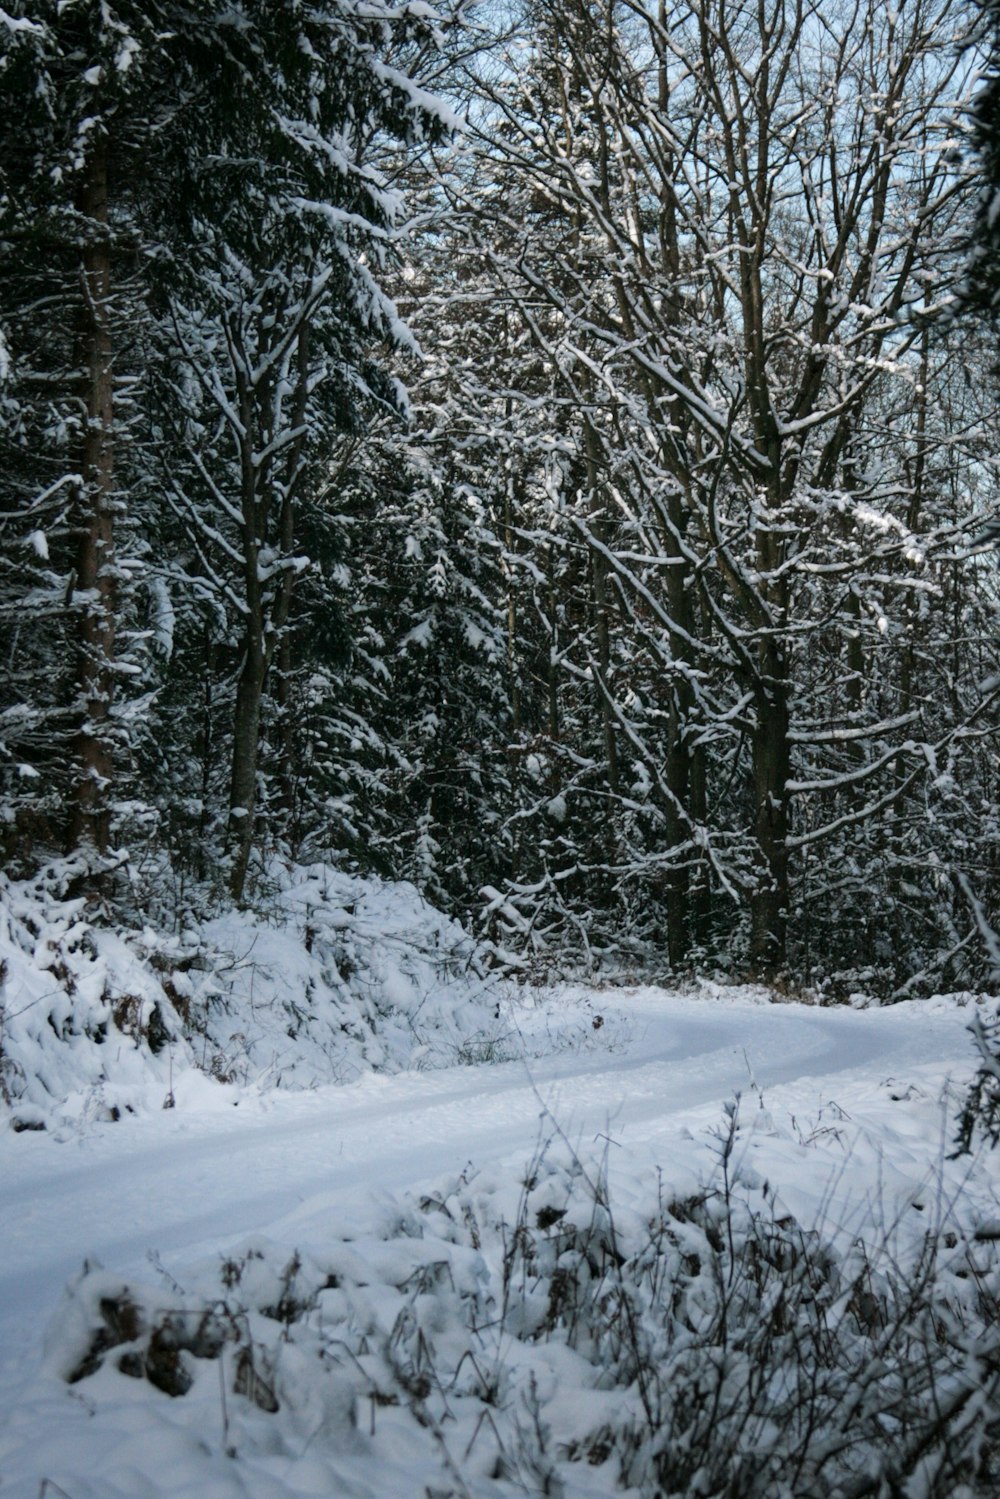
{"x":335,"y":976}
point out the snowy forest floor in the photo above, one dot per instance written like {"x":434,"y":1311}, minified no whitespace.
{"x":388,"y":1287}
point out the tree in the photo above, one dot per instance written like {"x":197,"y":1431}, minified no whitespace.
{"x":980,"y":292}
{"x":732,"y":226}
{"x":83,"y":95}
{"x":267,"y":353}
{"x":208,"y":172}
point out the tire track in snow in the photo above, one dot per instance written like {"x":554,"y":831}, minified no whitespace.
{"x":196,"y":1183}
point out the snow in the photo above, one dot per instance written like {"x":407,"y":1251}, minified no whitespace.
{"x":378,"y":1207}
{"x":335,"y":974}
{"x":20,"y":23}
{"x":162,"y":617}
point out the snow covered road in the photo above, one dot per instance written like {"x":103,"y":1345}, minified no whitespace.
{"x":195,"y":1179}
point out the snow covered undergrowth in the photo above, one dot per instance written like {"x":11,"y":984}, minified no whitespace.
{"x":625,"y":1288}
{"x":336,"y":976}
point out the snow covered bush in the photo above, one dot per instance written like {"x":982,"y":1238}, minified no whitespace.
{"x":504,"y":1338}
{"x":981,"y":1110}
{"x":331,"y":976}
{"x":86,"y":1027}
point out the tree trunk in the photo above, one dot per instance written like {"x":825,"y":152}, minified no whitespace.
{"x":771,"y":771}
{"x":286,"y":740}
{"x":678,"y":877}
{"x":246,"y":741}
{"x":682,"y":774}
{"x":599,"y":575}
{"x":250,"y":687}
{"x":263,"y":490}
{"x":95,"y":582}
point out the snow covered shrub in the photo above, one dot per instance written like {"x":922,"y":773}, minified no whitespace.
{"x":541,"y":1338}
{"x":338,"y":974}
{"x":756,"y":1359}
{"x":981,"y":1110}
{"x":332,"y":976}
{"x":86,"y":1028}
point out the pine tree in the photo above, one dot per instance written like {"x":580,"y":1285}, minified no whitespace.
{"x":201,"y":178}
{"x":86,"y":89}
{"x":268,"y":335}
{"x":981,"y":291}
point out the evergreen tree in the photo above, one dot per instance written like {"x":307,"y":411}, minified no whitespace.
{"x":266,"y":352}
{"x":84,"y":93}
{"x":981,"y":291}
{"x":196,"y":224}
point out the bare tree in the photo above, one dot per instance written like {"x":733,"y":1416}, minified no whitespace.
{"x":733,"y":223}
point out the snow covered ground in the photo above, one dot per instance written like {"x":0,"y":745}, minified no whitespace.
{"x":349,"y":1192}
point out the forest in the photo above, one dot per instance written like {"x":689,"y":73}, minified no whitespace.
{"x":499,"y":781}
{"x":529,"y":452}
